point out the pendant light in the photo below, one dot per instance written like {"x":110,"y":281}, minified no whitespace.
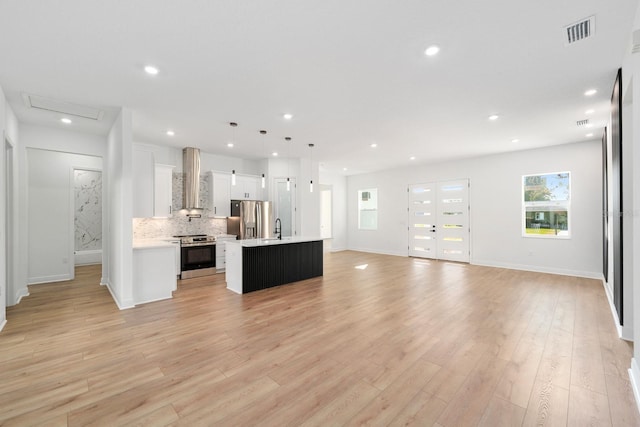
{"x":288,"y":139}
{"x":233,"y":172}
{"x":311,"y":169}
{"x":263,"y":132}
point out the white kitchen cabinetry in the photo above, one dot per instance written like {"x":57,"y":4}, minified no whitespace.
{"x":220,"y":185}
{"x":153,"y":272}
{"x":163,"y":191}
{"x":143,"y":189}
{"x":221,"y":252}
{"x":247,"y":188}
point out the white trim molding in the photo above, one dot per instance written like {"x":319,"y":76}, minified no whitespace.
{"x":634,"y":377}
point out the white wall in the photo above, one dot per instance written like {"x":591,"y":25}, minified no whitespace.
{"x":3,"y":218}
{"x":496,"y":209}
{"x":631,"y":81}
{"x":338,"y":185}
{"x":16,"y":287}
{"x":118,"y":275}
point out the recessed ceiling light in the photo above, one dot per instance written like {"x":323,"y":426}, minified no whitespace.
{"x":230,"y":144}
{"x":493,"y":117}
{"x":590,"y":92}
{"x":274,"y":154}
{"x":589,"y":112}
{"x":344,"y":169}
{"x":150,"y":69}
{"x":432,"y":50}
{"x":287,"y":116}
{"x":374,"y":145}
{"x":170,"y":133}
{"x":65,"y":120}
{"x":589,"y":135}
{"x":515,"y":140}
{"x":412,"y":158}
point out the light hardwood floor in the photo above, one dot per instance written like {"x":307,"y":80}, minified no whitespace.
{"x":403,"y":342}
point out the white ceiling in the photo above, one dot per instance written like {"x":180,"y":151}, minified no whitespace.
{"x":352,"y":73}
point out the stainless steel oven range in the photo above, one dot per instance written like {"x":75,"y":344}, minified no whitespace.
{"x":197,"y":255}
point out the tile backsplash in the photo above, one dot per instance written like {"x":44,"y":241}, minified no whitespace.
{"x":150,"y":228}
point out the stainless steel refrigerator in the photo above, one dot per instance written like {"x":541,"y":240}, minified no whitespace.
{"x":251,"y":219}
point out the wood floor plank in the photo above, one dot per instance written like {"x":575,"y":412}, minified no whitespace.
{"x":548,"y":405}
{"x":389,"y":403}
{"x":405,"y":342}
{"x":588,"y":408}
{"x":469,"y":403}
{"x":621,"y":402}
{"x":501,"y":413}
{"x":423,"y":410}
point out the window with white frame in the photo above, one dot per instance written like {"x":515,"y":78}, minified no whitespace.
{"x":546,"y":205}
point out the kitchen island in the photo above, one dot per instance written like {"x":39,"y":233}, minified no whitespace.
{"x":257,"y":264}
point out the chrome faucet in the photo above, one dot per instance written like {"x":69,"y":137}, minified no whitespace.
{"x":278,"y":229}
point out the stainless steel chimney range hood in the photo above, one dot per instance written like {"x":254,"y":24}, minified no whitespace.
{"x":191,"y":169}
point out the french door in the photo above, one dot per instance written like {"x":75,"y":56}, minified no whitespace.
{"x":439,"y":220}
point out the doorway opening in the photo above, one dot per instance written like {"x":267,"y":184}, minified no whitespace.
{"x":87,"y":216}
{"x":326,"y":215}
{"x":285,"y":206}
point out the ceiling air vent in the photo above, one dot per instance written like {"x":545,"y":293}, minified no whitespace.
{"x":580,"y":30}
{"x":62,"y":107}
{"x":582,"y":122}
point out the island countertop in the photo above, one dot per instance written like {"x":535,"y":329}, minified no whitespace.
{"x":250,"y":243}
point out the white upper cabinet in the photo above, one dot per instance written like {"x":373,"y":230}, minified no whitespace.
{"x":143,"y":188}
{"x":163,"y":191}
{"x":220,"y":201}
{"x":247,"y":188}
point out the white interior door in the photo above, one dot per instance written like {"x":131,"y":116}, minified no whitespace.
{"x":439,"y":220}
{"x":422,"y":220}
{"x":453,"y":220}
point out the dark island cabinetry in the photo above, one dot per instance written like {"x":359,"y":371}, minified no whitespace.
{"x":267,"y":266}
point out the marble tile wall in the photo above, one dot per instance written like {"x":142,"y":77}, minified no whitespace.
{"x":88,"y":210}
{"x":151,"y":228}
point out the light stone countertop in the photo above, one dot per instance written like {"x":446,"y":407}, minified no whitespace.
{"x":249,"y":243}
{"x":154,"y":243}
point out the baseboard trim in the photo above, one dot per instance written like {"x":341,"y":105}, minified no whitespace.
{"x":536,"y":269}
{"x":121,"y":306}
{"x":49,"y":279}
{"x":634,"y":377}
{"x":24,"y":292}
{"x":372,"y":251}
{"x":624,"y":333}
{"x":2,"y":325}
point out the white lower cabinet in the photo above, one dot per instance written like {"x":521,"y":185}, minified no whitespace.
{"x":221,"y":252}
{"x":153,"y":273}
